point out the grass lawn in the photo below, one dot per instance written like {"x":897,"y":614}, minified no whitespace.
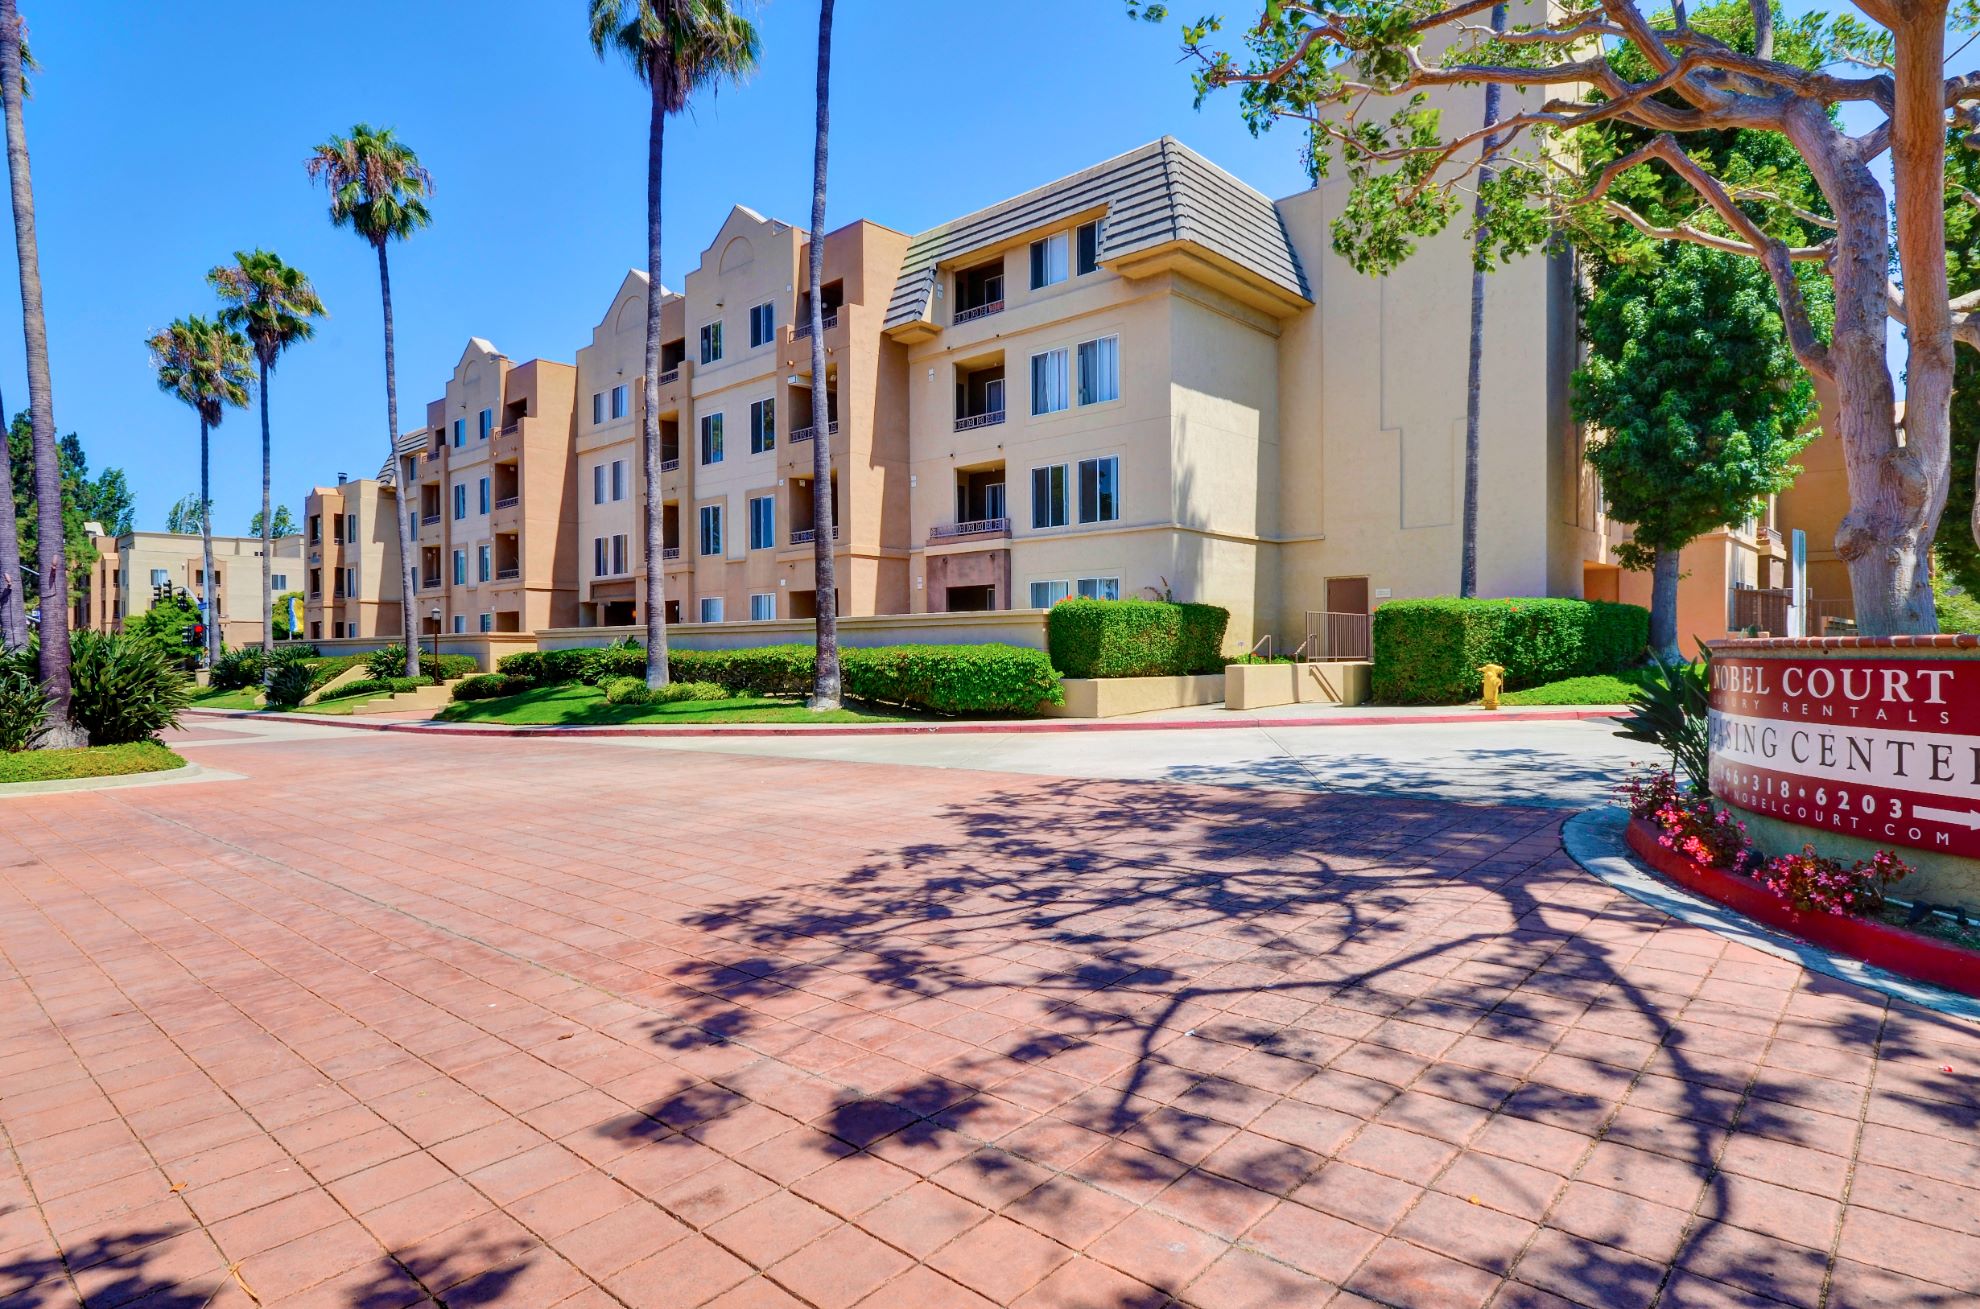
{"x":572,"y":702}
{"x":1604,"y":689}
{"x":239,"y":698}
{"x":89,"y":761}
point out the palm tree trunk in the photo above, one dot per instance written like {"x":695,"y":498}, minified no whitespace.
{"x":13,"y":600}
{"x":657,"y":671}
{"x":267,"y":543}
{"x":1664,"y":607}
{"x":52,"y":560}
{"x":408,"y":493}
{"x":1474,"y":380}
{"x":825,"y":686}
{"x":210,"y":613}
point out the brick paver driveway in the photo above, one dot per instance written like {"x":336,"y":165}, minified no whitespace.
{"x":563,"y":1023}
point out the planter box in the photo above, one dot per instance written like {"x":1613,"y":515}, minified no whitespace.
{"x":1260,"y":686}
{"x":1109,"y":697}
{"x":1908,"y":954}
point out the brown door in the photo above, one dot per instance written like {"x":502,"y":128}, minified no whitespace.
{"x":1347,"y":595}
{"x":1344,"y":629}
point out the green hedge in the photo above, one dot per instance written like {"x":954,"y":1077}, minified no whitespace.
{"x":391,"y":662}
{"x":492,"y":686}
{"x":1135,"y":638}
{"x":1429,"y":651}
{"x":375,"y":686}
{"x":330,"y":666}
{"x":545,"y":667}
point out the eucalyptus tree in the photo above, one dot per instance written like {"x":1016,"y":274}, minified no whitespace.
{"x":675,"y":48}
{"x":378,"y":190}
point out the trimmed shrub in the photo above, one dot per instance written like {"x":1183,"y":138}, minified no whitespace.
{"x":1135,"y":638}
{"x":126,"y":688}
{"x":627,"y":690}
{"x":235,"y":669}
{"x":321,"y":670}
{"x":23,"y":703}
{"x":288,"y":682}
{"x":761,"y":670}
{"x":1429,"y":651}
{"x":681,"y":692}
{"x":544,"y":667}
{"x":601,"y":665}
{"x":391,"y":662}
{"x":374,"y":686}
{"x":953,"y":679}
{"x":491,"y":686}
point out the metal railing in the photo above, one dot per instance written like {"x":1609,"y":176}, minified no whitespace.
{"x":508,"y":574}
{"x":983,"y":310}
{"x":508,"y":502}
{"x":671,"y":376}
{"x":970,"y":422}
{"x":803,"y":329}
{"x":1333,"y":637}
{"x":670,"y":554}
{"x":429,"y":520}
{"x":1832,"y":617}
{"x":803,"y":434}
{"x":807,"y":535}
{"x":509,"y":429}
{"x":670,"y":465}
{"x":429,"y":583}
{"x":972,"y":527}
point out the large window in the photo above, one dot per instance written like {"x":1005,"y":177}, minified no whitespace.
{"x":486,"y":424}
{"x":762,"y":426}
{"x":763,"y":522}
{"x":1048,"y":261}
{"x":711,"y":438}
{"x":619,"y":401}
{"x":1100,"y":370}
{"x":460,"y":568}
{"x":1099,"y":490}
{"x":762,"y":324}
{"x":711,"y":342}
{"x":460,"y":501}
{"x":711,"y":529}
{"x":484,"y":563}
{"x":1099,"y":588}
{"x":1086,"y":255}
{"x":1050,"y":498}
{"x":1048,"y":382}
{"x":711,"y":608}
{"x":1046,"y":594}
{"x":762,"y":606}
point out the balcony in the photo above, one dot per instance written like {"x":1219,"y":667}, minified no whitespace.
{"x":810,"y":433}
{"x":508,"y":502}
{"x":429,"y":520}
{"x":803,"y":329}
{"x":429,"y":584}
{"x":509,"y":574}
{"x":671,"y":376}
{"x":970,"y":315}
{"x":978,"y":527}
{"x":670,"y":465}
{"x":808,"y":535}
{"x":970,"y":422}
{"x":670,"y":555}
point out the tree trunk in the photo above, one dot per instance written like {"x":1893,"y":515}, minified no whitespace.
{"x":52,"y":559}
{"x":825,"y":686}
{"x":408,"y":493}
{"x":209,"y":616}
{"x":13,"y":598}
{"x":653,"y":511}
{"x":1474,"y":378}
{"x":267,"y":543}
{"x":1664,"y":608}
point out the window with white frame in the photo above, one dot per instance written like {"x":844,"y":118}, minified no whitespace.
{"x":1098,"y":588}
{"x":460,"y":568}
{"x":762,"y":606}
{"x":351,"y":528}
{"x":619,"y":554}
{"x":597,"y":408}
{"x":1048,"y":261}
{"x":620,"y":402}
{"x":711,"y":438}
{"x":460,"y":501}
{"x":481,"y":494}
{"x":1048,"y":382}
{"x":762,"y":324}
{"x":762,"y":426}
{"x":1046,"y":594}
{"x":1100,"y":370}
{"x":1086,"y":248}
{"x":484,"y":562}
{"x":1051,"y":498}
{"x":598,"y":556}
{"x":618,"y":479}
{"x":711,"y":529}
{"x":487,"y":623}
{"x":763,"y":522}
{"x":486,"y":425}
{"x":1099,"y":489}
{"x":161,"y":577}
{"x":278,"y":581}
{"x":460,"y":624}
{"x":350,"y":580}
{"x":711,"y":342}
{"x":598,"y":484}
{"x":711,"y":608}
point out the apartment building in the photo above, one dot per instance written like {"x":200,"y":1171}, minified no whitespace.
{"x":351,"y":569}
{"x":127,"y":571}
{"x":736,"y":425}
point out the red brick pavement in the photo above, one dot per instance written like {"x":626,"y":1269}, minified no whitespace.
{"x":398,"y":1021}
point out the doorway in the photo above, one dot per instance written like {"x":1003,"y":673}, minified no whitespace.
{"x":971,"y":599}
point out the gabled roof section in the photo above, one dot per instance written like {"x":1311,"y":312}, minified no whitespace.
{"x":1155,"y":196}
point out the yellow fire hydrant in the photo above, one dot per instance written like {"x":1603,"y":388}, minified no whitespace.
{"x":1495,"y":677}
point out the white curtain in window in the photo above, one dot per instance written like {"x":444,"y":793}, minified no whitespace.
{"x":1100,"y":370}
{"x":1048,"y":382}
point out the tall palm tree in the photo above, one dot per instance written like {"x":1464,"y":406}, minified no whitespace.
{"x":1475,"y":373}
{"x":825,"y":674}
{"x":206,"y":365}
{"x":378,"y":189}
{"x":272,"y":305}
{"x":52,"y":561}
{"x":675,"y":48}
{"x":13,"y":596}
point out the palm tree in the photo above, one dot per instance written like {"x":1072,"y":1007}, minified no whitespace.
{"x":825,"y":673}
{"x":13,"y":597}
{"x":204,"y":364}
{"x":378,"y":189}
{"x":1475,"y":374}
{"x":675,"y":47}
{"x":53,"y":561}
{"x":272,"y":305}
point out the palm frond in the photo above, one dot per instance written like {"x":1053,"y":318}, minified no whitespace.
{"x":266,"y":300}
{"x":203,"y":364}
{"x":376,"y":183}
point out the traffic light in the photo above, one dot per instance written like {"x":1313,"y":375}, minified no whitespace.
{"x":193,"y":634}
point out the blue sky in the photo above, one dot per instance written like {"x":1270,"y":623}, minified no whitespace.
{"x":162,"y":142}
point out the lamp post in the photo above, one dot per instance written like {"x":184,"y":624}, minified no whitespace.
{"x":434,"y":614}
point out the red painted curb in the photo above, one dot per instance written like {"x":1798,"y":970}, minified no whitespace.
{"x":921,"y":729}
{"x":1907,"y":954}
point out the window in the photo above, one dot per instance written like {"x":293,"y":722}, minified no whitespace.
{"x":598,"y":484}
{"x":460,"y":568}
{"x":460,"y":624}
{"x":763,"y":606}
{"x":762,"y":426}
{"x":1048,"y":261}
{"x":350,"y":582}
{"x":1046,"y":594}
{"x":618,"y":479}
{"x":711,"y":342}
{"x":763,"y":522}
{"x":350,"y":529}
{"x":336,"y":629}
{"x":161,"y":577}
{"x":762,"y":324}
{"x":598,"y":556}
{"x":619,"y":400}
{"x":711,"y":608}
{"x":316,"y":631}
{"x":482,"y":494}
{"x":711,"y":529}
{"x":1048,"y":497}
{"x":278,"y":581}
{"x":412,"y":522}
{"x":1099,"y":489}
{"x":618,"y":554}
{"x":1100,"y":370}
{"x":460,"y":501}
{"x":460,"y":432}
{"x":1099,"y":588}
{"x":484,"y":563}
{"x":1048,"y":382}
{"x":486,"y":424}
{"x":488,"y":622}
{"x":1086,"y":258}
{"x":316,"y":581}
{"x":597,"y":408}
{"x":711,"y":438}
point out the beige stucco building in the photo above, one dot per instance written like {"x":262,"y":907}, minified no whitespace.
{"x":128,"y":571}
{"x":351,"y":567}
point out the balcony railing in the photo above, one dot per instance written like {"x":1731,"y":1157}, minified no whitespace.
{"x":970,"y":422}
{"x":979,"y":311}
{"x":803,"y":329}
{"x":670,"y":554}
{"x":1333,"y":636}
{"x":974,"y":527}
{"x":671,"y":376}
{"x":807,"y":535}
{"x":508,"y":502}
{"x":670,"y":465}
{"x":509,"y":574}
{"x":510,"y":429}
{"x":429,"y":584}
{"x":808,"y":433}
{"x":430,"y":520}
